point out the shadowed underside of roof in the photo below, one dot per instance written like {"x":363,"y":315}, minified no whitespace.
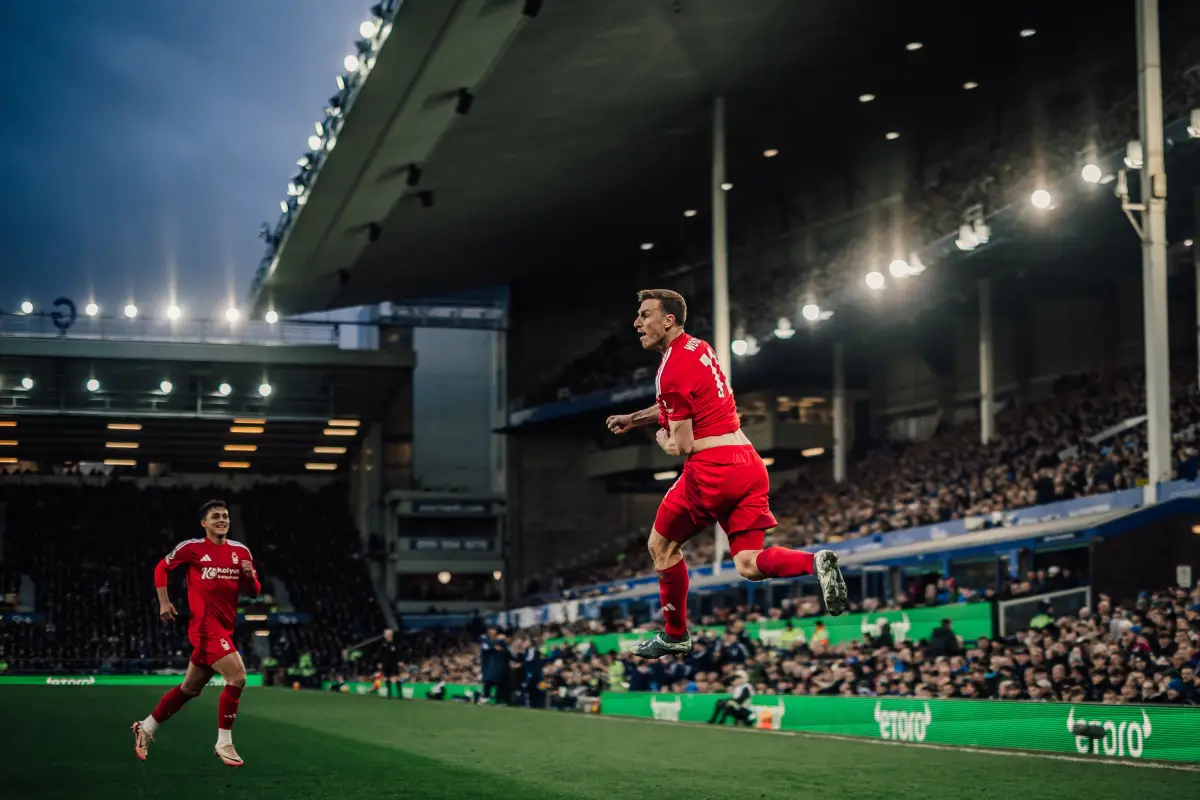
{"x":594,"y":127}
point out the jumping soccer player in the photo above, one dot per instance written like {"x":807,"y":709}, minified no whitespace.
{"x":219,"y":571}
{"x":723,"y":479}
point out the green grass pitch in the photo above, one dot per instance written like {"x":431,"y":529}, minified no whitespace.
{"x":74,"y":743}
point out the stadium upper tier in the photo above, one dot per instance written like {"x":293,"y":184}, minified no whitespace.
{"x":1061,"y":448}
{"x":970,"y":214}
{"x":446,"y":149}
{"x":79,"y":562}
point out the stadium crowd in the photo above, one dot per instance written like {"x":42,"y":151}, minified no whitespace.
{"x":90,"y":549}
{"x":1147,"y":651}
{"x":1042,"y":454}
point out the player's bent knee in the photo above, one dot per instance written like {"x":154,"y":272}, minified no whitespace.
{"x":238,"y":680}
{"x":662,"y":550}
{"x":746,"y":563}
{"x":192,"y":686}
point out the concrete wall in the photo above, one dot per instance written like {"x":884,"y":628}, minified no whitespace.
{"x":452,"y":404}
{"x":556,"y":511}
{"x":1047,"y":335}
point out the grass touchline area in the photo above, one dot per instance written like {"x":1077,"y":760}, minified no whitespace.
{"x":74,"y":742}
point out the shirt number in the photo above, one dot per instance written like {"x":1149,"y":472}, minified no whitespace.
{"x":710,"y":361}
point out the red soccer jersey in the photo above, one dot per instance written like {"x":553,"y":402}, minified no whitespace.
{"x":214,"y":583}
{"x":691,"y":385}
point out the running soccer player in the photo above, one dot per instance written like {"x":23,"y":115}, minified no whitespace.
{"x":219,"y":570}
{"x":723,"y":479}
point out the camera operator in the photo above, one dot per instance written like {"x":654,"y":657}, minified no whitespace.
{"x":736,"y":706}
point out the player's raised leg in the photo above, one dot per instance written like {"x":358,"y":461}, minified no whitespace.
{"x":193,"y":683}
{"x":755,"y":563}
{"x":747,"y":522}
{"x":233,"y":671}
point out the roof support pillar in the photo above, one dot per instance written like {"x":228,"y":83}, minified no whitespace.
{"x":987,"y":367}
{"x":1154,"y":248}
{"x":720,"y":262}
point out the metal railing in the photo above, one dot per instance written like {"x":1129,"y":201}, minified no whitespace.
{"x":249,"y":332}
{"x":1017,"y":613}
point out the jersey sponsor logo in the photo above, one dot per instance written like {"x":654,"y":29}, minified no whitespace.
{"x":219,"y":573}
{"x":1119,"y":739}
{"x":903,"y":726}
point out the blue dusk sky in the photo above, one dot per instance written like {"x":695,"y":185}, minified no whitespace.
{"x":147,"y":140}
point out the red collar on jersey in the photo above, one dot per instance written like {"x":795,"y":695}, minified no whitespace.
{"x":679,"y":340}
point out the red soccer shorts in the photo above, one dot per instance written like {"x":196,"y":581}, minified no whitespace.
{"x":727,"y":485}
{"x":208,"y":649}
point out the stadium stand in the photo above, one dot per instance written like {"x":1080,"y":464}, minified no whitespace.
{"x":1147,"y":651}
{"x":89,"y":551}
{"x":1043,"y":454}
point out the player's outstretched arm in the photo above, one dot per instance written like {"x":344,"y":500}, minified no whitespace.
{"x":624,"y":423}
{"x":647,"y":416}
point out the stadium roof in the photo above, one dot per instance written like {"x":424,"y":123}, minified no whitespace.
{"x":155,"y":400}
{"x":589,"y":127}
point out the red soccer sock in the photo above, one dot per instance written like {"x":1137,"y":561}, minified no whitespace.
{"x":673,"y":591}
{"x":227,"y":706}
{"x":780,"y":562}
{"x":170,"y":703}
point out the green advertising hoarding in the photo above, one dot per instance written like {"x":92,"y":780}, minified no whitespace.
{"x":407,"y":690}
{"x":1164,"y":733}
{"x":968,"y":620}
{"x":112,"y":680}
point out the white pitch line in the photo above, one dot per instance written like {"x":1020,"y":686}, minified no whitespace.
{"x":948,"y":748}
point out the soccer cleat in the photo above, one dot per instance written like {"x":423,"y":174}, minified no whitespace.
{"x":833,"y":585}
{"x":226,"y":753}
{"x":141,"y":741}
{"x":659,"y":645}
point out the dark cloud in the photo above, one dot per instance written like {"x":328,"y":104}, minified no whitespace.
{"x":145,"y":141}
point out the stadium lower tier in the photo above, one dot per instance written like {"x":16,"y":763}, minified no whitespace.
{"x":1147,"y":652}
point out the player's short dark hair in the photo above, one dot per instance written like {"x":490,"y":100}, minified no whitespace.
{"x":209,"y":506}
{"x":672,"y":303}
